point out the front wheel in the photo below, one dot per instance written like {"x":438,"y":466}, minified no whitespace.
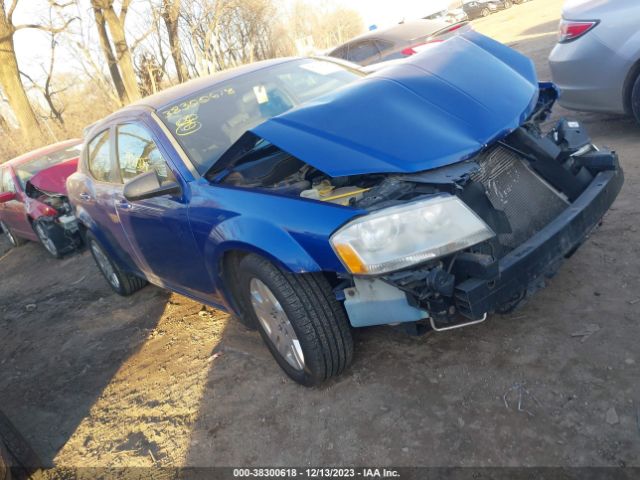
{"x":485,"y":12}
{"x":507,"y":4}
{"x":299,"y":318}
{"x":121,"y":282}
{"x":44,"y":234}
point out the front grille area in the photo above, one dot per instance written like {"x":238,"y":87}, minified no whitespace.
{"x":528,"y":201}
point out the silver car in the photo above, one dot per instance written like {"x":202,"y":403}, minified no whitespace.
{"x":596,"y":63}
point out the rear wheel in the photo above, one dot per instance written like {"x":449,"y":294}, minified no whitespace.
{"x":121,"y":282}
{"x":485,"y":12}
{"x":507,"y":4}
{"x":635,"y":99}
{"x":15,"y":241}
{"x":299,"y":318}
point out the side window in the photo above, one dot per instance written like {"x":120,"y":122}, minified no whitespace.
{"x":363,"y":51}
{"x":340,"y":52}
{"x":138,"y":153}
{"x":100,"y":159}
{"x":384,"y":45}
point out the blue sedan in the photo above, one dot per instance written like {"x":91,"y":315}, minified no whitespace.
{"x":307,"y":198}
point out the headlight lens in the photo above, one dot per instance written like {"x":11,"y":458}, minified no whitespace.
{"x":398,"y":237}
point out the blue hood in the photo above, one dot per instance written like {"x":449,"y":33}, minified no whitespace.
{"x":437,"y":108}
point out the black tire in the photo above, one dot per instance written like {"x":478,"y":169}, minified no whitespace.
{"x":635,"y":99}
{"x":13,"y":239}
{"x":318,"y":320}
{"x":121,"y":282}
{"x":44,"y":233}
{"x":507,"y":4}
{"x":485,"y":12}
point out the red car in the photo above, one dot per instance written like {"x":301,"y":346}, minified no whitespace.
{"x":33,"y":198}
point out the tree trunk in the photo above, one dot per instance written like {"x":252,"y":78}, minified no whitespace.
{"x":170,"y":13}
{"x":4,"y":126}
{"x":12,"y":86}
{"x":123,"y":55}
{"x":110,"y":57}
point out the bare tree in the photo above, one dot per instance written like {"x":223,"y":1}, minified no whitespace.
{"x":226,"y":33}
{"x":327,"y":25}
{"x":170,"y":12}
{"x":10,"y":73}
{"x":150,"y":74}
{"x":107,"y":51}
{"x":48,"y":90}
{"x":104,"y":9}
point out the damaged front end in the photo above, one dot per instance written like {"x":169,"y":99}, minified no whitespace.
{"x":55,"y":223}
{"x":442,"y":248}
{"x":540,"y":193}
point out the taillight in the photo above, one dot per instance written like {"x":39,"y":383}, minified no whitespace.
{"x":571,"y":30}
{"x":412,"y":50}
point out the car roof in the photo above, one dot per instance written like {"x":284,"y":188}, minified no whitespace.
{"x":26,"y":157}
{"x":406,"y":31}
{"x":170,"y":95}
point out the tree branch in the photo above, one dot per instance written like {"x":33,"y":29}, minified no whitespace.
{"x":12,"y":9}
{"x":46,"y":28}
{"x":123,"y":11}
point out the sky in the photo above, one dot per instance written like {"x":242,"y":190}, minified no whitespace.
{"x":386,"y":12}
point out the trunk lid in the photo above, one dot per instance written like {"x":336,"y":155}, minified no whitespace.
{"x":437,"y":108}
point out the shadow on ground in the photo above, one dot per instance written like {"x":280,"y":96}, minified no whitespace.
{"x":64,"y":336}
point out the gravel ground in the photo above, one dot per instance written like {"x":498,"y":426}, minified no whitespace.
{"x":93,"y":379}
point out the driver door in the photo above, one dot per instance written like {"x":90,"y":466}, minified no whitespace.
{"x":158,"y":228}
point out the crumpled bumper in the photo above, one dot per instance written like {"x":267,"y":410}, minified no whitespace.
{"x":522,"y":269}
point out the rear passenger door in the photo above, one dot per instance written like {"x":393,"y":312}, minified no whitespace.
{"x":158,"y":228}
{"x":13,"y":212}
{"x":98,"y":197}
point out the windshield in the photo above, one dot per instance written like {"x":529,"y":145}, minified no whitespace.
{"x":25,"y":171}
{"x":208,"y":122}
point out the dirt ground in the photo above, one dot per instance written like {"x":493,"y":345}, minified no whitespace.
{"x":93,"y":379}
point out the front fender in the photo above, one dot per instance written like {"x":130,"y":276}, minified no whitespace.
{"x":255,"y":235}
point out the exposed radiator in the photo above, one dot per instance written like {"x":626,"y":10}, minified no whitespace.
{"x":527,"y":200}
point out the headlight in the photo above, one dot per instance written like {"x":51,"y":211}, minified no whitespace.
{"x":398,"y":237}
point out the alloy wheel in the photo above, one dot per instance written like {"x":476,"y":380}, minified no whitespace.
{"x":105,"y":265}
{"x":46,"y":240}
{"x":9,"y":235}
{"x":276,"y":324}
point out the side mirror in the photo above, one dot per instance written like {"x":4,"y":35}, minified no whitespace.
{"x":7,"y":196}
{"x":148,"y":185}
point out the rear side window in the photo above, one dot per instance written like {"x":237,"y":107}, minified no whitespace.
{"x":340,"y":52}
{"x":99,"y":162}
{"x":384,"y":45}
{"x":363,"y":51}
{"x":138,"y":154}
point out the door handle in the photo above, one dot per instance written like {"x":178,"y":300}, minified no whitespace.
{"x":86,"y":197}
{"x":125,"y":205}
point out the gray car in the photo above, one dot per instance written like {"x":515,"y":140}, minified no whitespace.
{"x":397,"y":42}
{"x":596,"y":63}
